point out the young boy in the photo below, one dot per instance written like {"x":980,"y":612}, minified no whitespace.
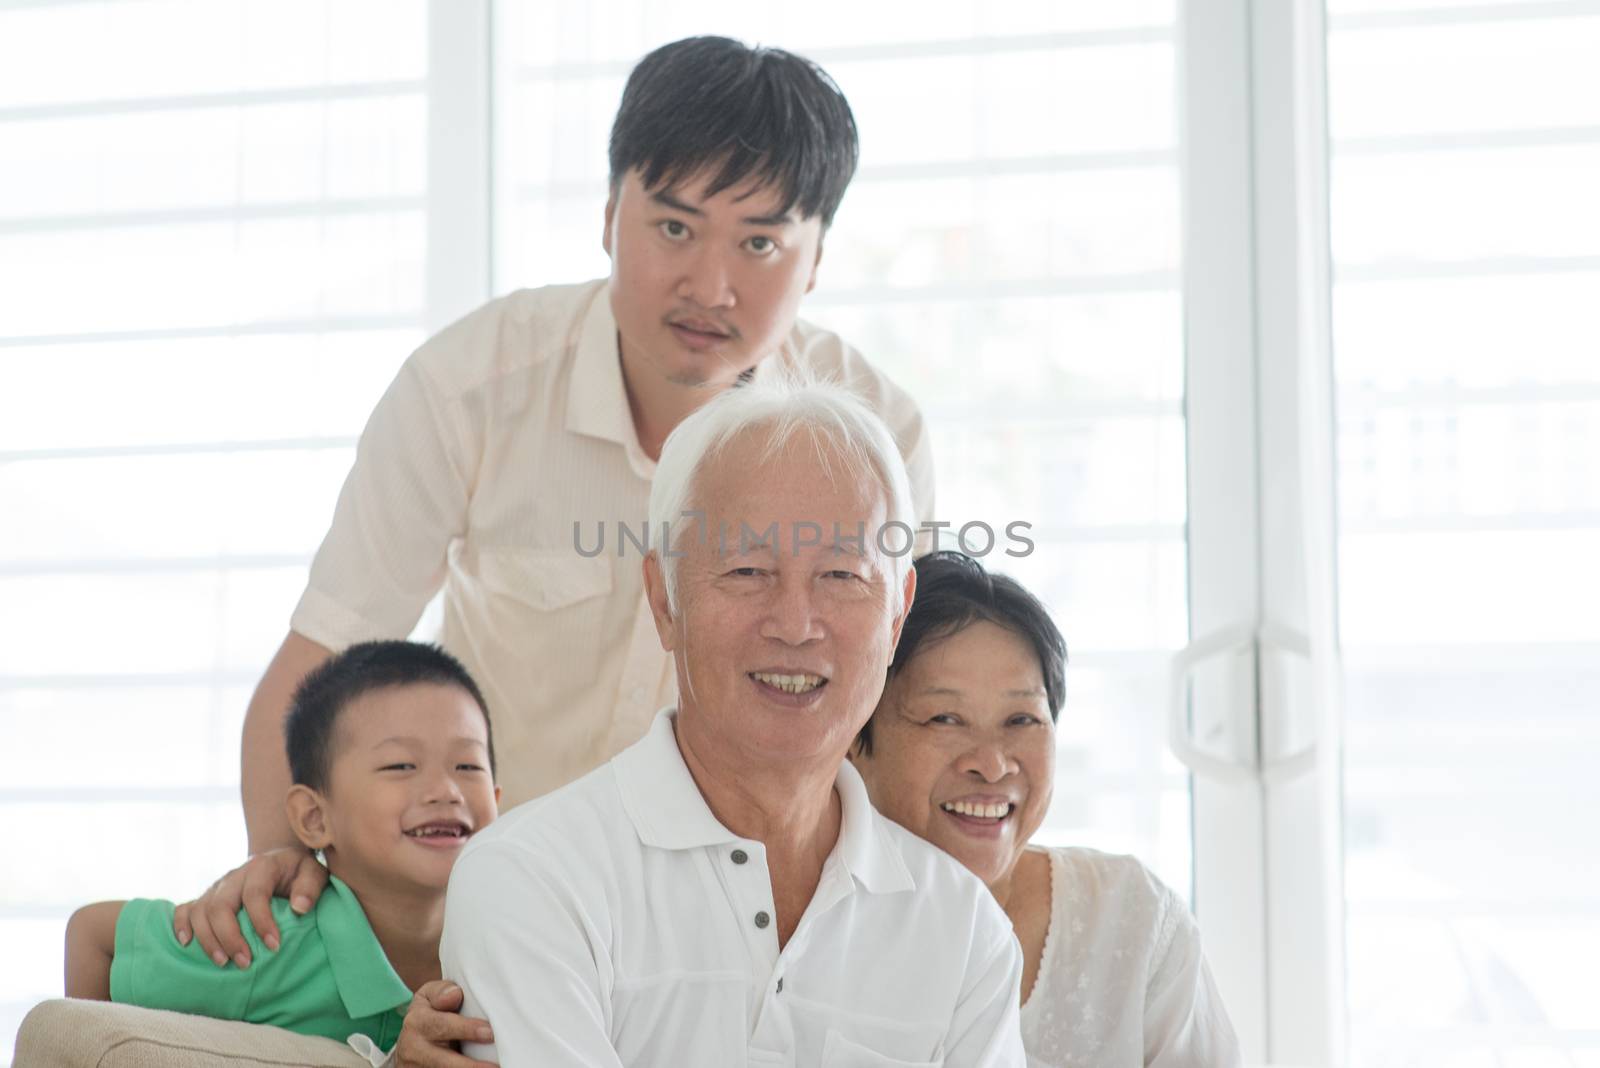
{"x":393,"y":768}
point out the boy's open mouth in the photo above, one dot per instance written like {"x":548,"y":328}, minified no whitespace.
{"x":440,"y":831}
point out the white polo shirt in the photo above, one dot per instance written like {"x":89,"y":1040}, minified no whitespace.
{"x":498,"y":436}
{"x":617,"y":922}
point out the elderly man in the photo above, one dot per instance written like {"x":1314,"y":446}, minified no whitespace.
{"x":722,"y":892}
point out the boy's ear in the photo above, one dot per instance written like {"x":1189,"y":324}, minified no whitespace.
{"x":308,"y":817}
{"x":497,"y":797}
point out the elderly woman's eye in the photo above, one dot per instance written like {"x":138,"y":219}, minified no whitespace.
{"x":944,"y":718}
{"x":1026,"y":719}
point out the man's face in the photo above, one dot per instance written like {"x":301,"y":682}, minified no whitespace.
{"x":782,"y":639}
{"x":409,"y":785}
{"x":704,"y":287}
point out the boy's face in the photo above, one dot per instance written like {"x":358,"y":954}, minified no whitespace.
{"x":409,"y":785}
{"x":705,"y":286}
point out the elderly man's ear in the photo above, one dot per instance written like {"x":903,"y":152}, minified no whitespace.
{"x":907,"y":595}
{"x":655,"y":590}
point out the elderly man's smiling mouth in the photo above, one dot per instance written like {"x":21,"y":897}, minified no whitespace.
{"x":789,"y":683}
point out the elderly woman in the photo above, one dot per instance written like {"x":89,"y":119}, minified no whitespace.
{"x":961,"y":750}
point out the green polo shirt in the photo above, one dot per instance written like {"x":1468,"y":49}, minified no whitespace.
{"x":329,"y":976}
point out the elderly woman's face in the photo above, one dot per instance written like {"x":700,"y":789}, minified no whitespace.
{"x":963,"y":748}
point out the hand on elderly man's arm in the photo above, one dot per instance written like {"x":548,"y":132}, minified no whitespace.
{"x":528,"y":961}
{"x":433,"y":1028}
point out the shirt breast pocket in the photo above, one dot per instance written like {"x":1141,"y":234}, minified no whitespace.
{"x":841,"y":1052}
{"x":545,"y":581}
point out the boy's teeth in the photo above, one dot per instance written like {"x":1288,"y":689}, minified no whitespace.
{"x":968,"y":808}
{"x":789,"y":683}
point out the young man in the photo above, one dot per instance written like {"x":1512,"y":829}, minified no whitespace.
{"x":540,"y":417}
{"x":393,"y":766}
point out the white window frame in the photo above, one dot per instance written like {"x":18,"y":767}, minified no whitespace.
{"x":1255,"y":698}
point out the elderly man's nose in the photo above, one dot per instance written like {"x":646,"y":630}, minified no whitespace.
{"x":791,"y":616}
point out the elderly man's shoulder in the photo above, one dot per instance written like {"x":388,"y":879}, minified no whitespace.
{"x":559,"y":829}
{"x":940,"y":879}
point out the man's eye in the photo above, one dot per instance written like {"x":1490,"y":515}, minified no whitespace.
{"x":674,"y":230}
{"x":761,"y":245}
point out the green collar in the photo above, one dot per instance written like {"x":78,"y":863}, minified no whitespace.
{"x":367,"y":982}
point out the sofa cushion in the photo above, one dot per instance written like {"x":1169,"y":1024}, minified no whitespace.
{"x":67,"y":1033}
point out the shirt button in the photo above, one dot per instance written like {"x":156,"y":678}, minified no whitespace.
{"x":780,"y":986}
{"x":740,"y":856}
{"x":762,"y":919}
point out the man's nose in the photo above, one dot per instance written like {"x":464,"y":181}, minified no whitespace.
{"x":707,"y":281}
{"x":792,"y":616}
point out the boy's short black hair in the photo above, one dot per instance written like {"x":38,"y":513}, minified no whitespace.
{"x":762,"y":113}
{"x":328,"y":690}
{"x":954,"y":591}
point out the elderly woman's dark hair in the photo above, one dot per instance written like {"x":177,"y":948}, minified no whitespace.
{"x":954,"y":591}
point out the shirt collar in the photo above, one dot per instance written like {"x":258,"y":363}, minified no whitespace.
{"x":669,"y":812}
{"x":597,"y":402}
{"x":659,"y":794}
{"x":367,"y":982}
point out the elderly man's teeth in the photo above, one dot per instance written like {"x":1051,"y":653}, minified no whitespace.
{"x":789,"y":683}
{"x":988,"y":812}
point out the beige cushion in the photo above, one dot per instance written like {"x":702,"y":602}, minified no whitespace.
{"x":97,"y":1034}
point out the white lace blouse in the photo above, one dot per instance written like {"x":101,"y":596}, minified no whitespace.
{"x":1123,"y":982}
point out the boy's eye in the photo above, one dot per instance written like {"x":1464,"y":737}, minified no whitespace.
{"x":470,"y":767}
{"x":398,"y":767}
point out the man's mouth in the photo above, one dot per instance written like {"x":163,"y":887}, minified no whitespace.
{"x":441,"y":831}
{"x":987,"y":811}
{"x":795,"y":684}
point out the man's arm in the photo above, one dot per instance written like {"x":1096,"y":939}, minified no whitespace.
{"x":986,"y":1030}
{"x":91,"y":942}
{"x":264,"y":769}
{"x":525,"y":947}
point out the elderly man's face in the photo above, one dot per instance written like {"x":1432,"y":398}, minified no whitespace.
{"x":782,"y":636}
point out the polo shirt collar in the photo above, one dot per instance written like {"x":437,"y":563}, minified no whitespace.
{"x":659,"y":794}
{"x":669,"y":812}
{"x":367,"y":982}
{"x":865,"y":847}
{"x":597,"y":402}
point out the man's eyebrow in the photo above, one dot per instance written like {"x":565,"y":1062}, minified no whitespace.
{"x":666,"y":199}
{"x":783,"y":218}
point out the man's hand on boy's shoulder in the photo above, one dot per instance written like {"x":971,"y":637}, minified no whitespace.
{"x":434,"y":1025}
{"x":213,"y":917}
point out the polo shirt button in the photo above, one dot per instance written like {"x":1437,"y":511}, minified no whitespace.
{"x":762,"y":919}
{"x":740,"y":856}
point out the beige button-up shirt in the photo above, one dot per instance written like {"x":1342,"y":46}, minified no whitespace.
{"x":503,"y":439}
{"x":618,"y":922}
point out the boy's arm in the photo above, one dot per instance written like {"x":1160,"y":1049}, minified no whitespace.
{"x":91,"y":943}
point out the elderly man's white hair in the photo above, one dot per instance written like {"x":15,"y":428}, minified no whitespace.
{"x":785,"y":404}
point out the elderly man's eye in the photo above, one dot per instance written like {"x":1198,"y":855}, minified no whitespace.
{"x":841,"y":573}
{"x":746,"y":572}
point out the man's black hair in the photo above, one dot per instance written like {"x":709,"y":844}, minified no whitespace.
{"x":328,"y":690}
{"x":954,"y":591}
{"x":743,"y":113}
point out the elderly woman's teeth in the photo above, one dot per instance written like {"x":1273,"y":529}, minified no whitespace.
{"x":988,"y":812}
{"x":789,"y":683}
